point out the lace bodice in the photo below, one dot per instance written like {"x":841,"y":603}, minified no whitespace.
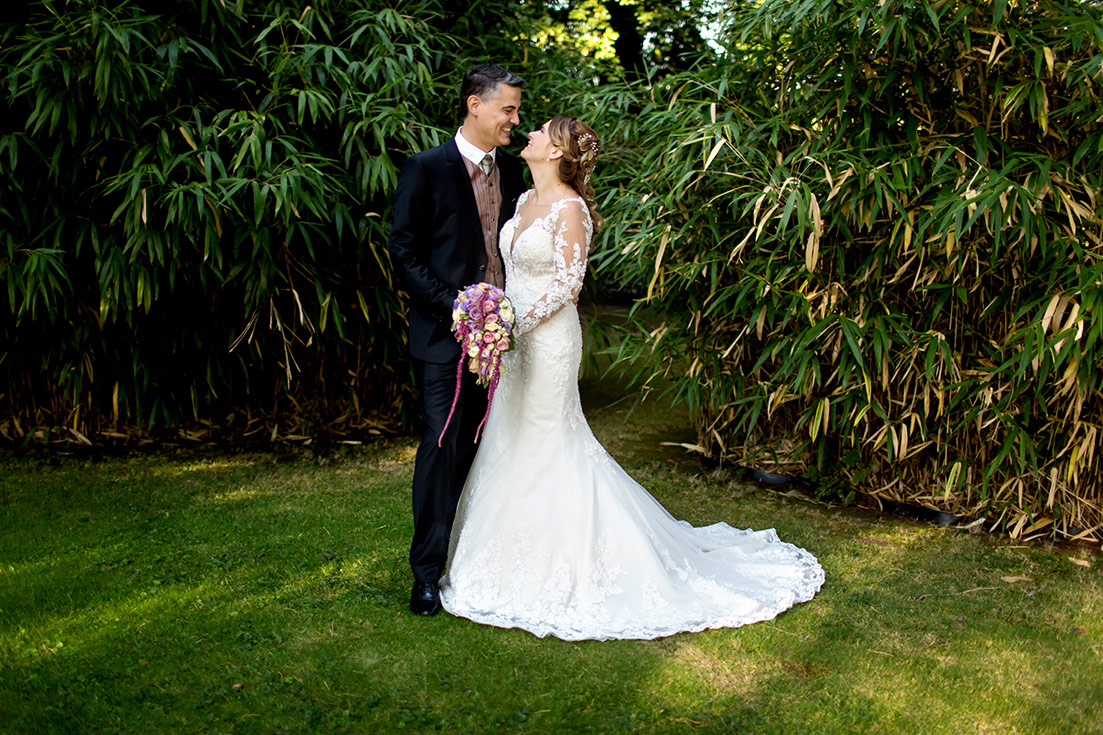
{"x":546,"y":262}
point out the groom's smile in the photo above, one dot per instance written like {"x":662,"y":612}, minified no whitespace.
{"x":493,"y":119}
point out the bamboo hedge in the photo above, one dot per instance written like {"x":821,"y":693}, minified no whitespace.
{"x":193,"y":203}
{"x":870,"y":251}
{"x":867,"y":241}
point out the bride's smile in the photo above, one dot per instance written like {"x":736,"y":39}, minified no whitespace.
{"x":540,"y":147}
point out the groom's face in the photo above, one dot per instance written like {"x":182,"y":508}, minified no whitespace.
{"x":495,"y":117}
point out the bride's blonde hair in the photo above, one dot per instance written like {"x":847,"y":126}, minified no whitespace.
{"x":580,"y":147}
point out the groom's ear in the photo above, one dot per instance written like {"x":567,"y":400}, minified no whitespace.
{"x":472,"y":104}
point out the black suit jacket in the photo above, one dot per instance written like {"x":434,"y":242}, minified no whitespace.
{"x":436,"y":241}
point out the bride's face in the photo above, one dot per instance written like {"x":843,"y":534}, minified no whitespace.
{"x":540,"y":147}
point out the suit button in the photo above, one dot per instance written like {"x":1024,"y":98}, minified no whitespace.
{"x":482,"y":267}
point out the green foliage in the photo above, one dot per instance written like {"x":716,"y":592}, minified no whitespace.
{"x":871,"y":230}
{"x":877,"y":229}
{"x":193,"y":209}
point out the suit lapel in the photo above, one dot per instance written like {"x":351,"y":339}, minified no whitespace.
{"x":462,"y":185}
{"x":509,"y":187}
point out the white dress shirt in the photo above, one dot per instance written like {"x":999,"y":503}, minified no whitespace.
{"x":470,"y":151}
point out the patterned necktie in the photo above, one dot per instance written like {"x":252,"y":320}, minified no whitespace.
{"x":487,"y":164}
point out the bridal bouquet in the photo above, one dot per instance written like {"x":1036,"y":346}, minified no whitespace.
{"x":482,"y":320}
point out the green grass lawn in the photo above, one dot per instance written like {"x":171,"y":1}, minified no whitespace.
{"x":266,"y":593}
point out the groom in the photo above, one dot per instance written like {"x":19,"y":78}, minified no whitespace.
{"x":450,"y":203}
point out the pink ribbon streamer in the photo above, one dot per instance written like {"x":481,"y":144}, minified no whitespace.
{"x":455,"y":400}
{"x":489,"y":400}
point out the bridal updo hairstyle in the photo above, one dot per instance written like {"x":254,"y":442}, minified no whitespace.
{"x":580,"y":147}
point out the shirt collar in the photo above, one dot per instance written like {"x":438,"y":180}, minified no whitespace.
{"x":470,"y":151}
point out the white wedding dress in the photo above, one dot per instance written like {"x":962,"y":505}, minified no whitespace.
{"x":551,"y":535}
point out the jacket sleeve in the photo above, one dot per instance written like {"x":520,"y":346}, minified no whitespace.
{"x":574,"y":231}
{"x":411,"y":240}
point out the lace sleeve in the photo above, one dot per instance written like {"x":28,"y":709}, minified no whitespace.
{"x":573,"y":231}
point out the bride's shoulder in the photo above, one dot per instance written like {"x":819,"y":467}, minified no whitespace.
{"x":572,"y":206}
{"x":570,"y":199}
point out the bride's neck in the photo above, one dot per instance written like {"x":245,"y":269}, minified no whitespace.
{"x":547,"y":185}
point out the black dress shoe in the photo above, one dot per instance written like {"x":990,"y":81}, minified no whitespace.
{"x":425,"y":598}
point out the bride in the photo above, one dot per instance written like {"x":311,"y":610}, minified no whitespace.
{"x":551,"y":535}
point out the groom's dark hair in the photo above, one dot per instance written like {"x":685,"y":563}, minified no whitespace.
{"x":483,"y":79}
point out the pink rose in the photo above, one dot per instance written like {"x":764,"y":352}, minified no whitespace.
{"x":489,"y":305}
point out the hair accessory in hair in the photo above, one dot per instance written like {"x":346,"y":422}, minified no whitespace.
{"x":589,"y":136}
